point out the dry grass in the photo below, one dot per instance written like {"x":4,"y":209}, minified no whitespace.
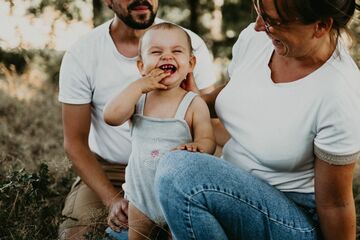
{"x":35,"y":174}
{"x":31,"y":193}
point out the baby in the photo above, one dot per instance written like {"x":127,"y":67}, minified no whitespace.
{"x":163,"y":117}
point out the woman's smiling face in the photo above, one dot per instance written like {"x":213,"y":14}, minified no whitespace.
{"x":291,"y":39}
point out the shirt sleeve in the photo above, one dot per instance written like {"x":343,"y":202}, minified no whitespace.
{"x":337,"y":140}
{"x":74,"y":83}
{"x":240,"y":47}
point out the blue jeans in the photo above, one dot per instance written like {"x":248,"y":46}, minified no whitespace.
{"x":112,"y":235}
{"x":204,"y":197}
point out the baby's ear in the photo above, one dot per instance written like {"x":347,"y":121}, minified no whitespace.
{"x":192,"y":62}
{"x":140,"y":66}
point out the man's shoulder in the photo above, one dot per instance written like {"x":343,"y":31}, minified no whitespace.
{"x":91,"y":39}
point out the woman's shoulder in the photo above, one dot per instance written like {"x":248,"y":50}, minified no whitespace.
{"x":341,"y":74}
{"x":249,"y":38}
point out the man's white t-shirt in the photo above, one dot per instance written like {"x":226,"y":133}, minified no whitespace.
{"x":276,"y":128}
{"x":93,"y":71}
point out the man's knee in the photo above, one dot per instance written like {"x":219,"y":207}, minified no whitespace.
{"x":83,"y":212}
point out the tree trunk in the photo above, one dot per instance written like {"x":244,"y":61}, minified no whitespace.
{"x":97,"y":12}
{"x":194,"y":15}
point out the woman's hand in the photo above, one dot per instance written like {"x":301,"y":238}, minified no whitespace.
{"x":189,"y":84}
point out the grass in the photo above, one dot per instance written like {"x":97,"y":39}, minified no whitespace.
{"x":34,"y":172}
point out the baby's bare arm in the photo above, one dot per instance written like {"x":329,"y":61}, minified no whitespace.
{"x":204,"y":139}
{"x":122,"y":106}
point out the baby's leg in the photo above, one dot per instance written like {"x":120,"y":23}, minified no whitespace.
{"x":140,"y":226}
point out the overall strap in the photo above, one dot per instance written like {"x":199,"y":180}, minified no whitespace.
{"x":139,"y":109}
{"x":181,"y":111}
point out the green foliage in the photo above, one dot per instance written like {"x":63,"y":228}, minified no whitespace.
{"x":236,"y":15}
{"x":13,"y":59}
{"x":31,"y":198}
{"x":20,"y":60}
{"x":31,"y":133}
{"x":355,"y":31}
{"x":48,"y":61}
{"x":27,"y":206}
{"x":70,"y":9}
{"x":31,"y":193}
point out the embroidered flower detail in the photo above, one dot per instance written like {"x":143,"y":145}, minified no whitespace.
{"x":155,"y":153}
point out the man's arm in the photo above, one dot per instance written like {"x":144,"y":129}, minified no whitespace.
{"x":334,"y":200}
{"x":76,"y":124}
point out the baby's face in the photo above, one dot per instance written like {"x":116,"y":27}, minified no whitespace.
{"x":169,"y":50}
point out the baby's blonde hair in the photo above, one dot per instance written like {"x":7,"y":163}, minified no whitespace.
{"x":167,"y":26}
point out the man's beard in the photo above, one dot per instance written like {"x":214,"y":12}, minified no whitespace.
{"x":143,"y":21}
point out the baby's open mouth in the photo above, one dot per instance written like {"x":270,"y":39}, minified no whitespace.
{"x":168,"y":68}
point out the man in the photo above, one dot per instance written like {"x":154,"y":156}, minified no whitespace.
{"x":93,"y":70}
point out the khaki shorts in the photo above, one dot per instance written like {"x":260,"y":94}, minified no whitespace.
{"x":83,"y":207}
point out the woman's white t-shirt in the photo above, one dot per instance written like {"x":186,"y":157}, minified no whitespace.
{"x":276,"y":128}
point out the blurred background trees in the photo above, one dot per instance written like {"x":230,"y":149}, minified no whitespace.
{"x":217,"y":21}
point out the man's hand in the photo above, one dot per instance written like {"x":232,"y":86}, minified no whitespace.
{"x":152,"y":80}
{"x":118,"y":214}
{"x":189,"y":83}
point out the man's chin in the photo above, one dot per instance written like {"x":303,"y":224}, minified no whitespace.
{"x":141,"y":21}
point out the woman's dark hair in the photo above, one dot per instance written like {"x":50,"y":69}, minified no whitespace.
{"x":310,"y":11}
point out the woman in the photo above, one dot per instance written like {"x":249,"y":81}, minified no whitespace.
{"x":292,"y":108}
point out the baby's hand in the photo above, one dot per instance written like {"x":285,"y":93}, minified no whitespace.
{"x":191,"y":147}
{"x":152,"y":80}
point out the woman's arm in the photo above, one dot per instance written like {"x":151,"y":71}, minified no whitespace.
{"x":221,"y":134}
{"x":334,"y":200}
{"x":210,"y":99}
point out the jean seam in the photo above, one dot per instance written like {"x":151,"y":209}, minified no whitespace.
{"x":217,"y":190}
{"x":190,"y":226}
